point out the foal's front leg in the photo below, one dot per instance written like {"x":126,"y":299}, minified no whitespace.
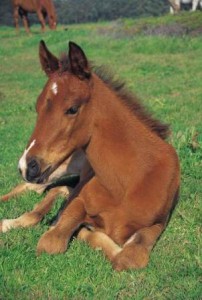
{"x":35,"y":216}
{"x":56,"y":239}
{"x":136,"y":251}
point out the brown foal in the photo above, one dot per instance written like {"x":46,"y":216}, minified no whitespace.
{"x":129,"y":199}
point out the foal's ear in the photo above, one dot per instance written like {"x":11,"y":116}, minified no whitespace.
{"x":49,"y":62}
{"x":78,"y":61}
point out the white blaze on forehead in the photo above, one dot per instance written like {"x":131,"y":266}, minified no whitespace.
{"x":54,"y":88}
{"x":22,"y":165}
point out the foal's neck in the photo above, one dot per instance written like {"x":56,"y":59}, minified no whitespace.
{"x":119,"y":142}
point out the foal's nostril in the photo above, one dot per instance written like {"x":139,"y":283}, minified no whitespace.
{"x":33,"y":170}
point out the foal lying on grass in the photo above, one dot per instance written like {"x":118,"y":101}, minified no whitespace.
{"x":129,"y":199}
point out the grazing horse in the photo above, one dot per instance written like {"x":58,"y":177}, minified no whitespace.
{"x":125,"y":205}
{"x":175,"y":5}
{"x":42,"y":8}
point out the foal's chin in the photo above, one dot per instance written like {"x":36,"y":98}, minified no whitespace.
{"x":44,"y":177}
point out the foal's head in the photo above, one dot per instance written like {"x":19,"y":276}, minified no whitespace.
{"x":63,"y":110}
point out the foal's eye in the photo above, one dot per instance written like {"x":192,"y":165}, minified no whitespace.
{"x":72,"y":110}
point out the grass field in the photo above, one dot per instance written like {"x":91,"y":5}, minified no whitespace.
{"x":166,"y":73}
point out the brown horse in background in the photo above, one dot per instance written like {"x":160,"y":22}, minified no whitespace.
{"x":127,"y":203}
{"x":42,"y":8}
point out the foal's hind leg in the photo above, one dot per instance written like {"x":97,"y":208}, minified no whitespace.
{"x":99,"y":241}
{"x":35,"y":216}
{"x":23,"y":187}
{"x":136,"y":250}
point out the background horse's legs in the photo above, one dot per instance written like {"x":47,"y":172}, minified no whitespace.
{"x":195,"y":4}
{"x":16,"y":18}
{"x":41,"y":19}
{"x":35,"y":216}
{"x":23,"y":15}
{"x":99,"y":241}
{"x":136,"y":250}
{"x":174,"y":6}
{"x":26,"y":23}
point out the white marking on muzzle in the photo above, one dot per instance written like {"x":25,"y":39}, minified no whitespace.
{"x":54,"y":88}
{"x":22,"y":165}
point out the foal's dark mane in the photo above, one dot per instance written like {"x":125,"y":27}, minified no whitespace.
{"x":118,"y":86}
{"x":130,"y":100}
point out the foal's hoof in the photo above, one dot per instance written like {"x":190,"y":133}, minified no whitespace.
{"x":131,"y":258}
{"x":4,"y":198}
{"x":51,"y":243}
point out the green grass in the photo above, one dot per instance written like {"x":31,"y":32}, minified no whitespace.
{"x":191,"y":19}
{"x":165,"y":72}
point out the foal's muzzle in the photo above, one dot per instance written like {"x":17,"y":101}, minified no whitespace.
{"x":33,"y":170}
